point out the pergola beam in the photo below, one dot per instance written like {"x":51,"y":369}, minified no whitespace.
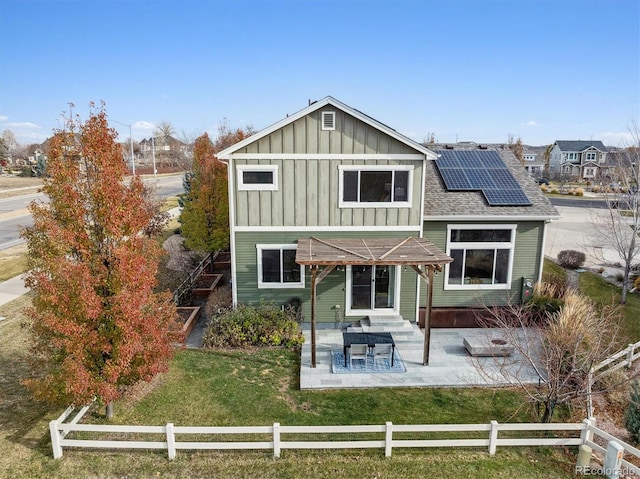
{"x":410,"y":251}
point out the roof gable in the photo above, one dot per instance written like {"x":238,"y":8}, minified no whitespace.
{"x":315,"y":107}
{"x":579,"y":145}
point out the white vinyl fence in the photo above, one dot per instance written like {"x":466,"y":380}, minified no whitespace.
{"x":278,"y":437}
{"x":622,"y":359}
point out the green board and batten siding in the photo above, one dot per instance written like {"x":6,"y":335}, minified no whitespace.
{"x":331,"y":290}
{"x":307,"y":192}
{"x":306,"y":136}
{"x":308,"y":195}
{"x":526,"y":263}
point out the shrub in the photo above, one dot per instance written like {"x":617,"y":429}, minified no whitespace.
{"x":636,"y":283}
{"x":265,"y":325}
{"x":547,"y":298}
{"x":632,"y":414}
{"x":578,"y":192}
{"x":219,"y":301}
{"x":571,"y":259}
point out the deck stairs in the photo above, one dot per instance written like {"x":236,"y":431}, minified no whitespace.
{"x":383,"y":324}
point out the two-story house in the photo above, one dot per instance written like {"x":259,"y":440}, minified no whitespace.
{"x":577,"y":160}
{"x":348,"y":216}
{"x":533,"y":160}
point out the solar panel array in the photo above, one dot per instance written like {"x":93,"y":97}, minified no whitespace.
{"x":483,"y":170}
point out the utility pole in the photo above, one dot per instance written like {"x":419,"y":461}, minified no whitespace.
{"x":133,"y":160}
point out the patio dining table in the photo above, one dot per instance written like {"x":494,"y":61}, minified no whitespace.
{"x":371,"y":339}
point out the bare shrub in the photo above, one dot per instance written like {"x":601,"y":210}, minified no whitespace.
{"x":219,"y":301}
{"x":571,"y":259}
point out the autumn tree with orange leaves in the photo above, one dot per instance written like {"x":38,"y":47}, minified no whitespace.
{"x":97,"y":326}
{"x":205,"y":217}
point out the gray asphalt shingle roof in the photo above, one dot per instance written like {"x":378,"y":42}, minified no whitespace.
{"x":579,"y":145}
{"x":438,"y":201}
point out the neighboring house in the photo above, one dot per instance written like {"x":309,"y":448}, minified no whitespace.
{"x":332,"y":206}
{"x":577,"y":160}
{"x":161,"y":144}
{"x":533,"y":159}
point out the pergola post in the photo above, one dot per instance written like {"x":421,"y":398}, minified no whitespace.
{"x":427,"y":317}
{"x":314,"y":272}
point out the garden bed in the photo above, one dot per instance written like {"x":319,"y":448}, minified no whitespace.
{"x":188,"y":316}
{"x":204,"y":285}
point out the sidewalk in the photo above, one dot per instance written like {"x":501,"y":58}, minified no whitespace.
{"x":12,"y":289}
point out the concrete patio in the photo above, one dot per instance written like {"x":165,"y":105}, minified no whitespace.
{"x":450,"y":365}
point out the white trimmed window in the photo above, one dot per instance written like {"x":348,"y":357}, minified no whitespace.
{"x":257,"y":177}
{"x":375,"y":186}
{"x":589,"y":172}
{"x":277,"y":267}
{"x":590,"y":156}
{"x":329,"y":120}
{"x":482,"y":256}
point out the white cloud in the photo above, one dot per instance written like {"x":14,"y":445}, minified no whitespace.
{"x":142,"y":129}
{"x":531,"y":123}
{"x":25,"y":124}
{"x":4,"y":118}
{"x":612,"y":138}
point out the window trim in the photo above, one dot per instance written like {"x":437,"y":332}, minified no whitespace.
{"x":285,"y":246}
{"x":395,"y":311}
{"x":380,"y":204}
{"x":481,"y":245}
{"x":242,"y":186}
{"x":331,"y":114}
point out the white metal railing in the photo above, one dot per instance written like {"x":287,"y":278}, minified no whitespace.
{"x":278,"y":437}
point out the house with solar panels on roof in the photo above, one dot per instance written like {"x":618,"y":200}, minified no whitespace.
{"x":576,"y":160}
{"x":342,"y":215}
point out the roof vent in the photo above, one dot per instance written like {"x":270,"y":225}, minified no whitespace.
{"x":483,"y":147}
{"x":328,"y":120}
{"x":449,"y":147}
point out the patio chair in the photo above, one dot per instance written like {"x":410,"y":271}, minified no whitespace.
{"x":358,"y":351}
{"x":382,"y":351}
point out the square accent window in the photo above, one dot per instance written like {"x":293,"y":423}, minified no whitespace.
{"x":482,"y":256}
{"x":277,"y":267}
{"x":328,"y":120}
{"x":375,"y":186}
{"x":257,"y":177}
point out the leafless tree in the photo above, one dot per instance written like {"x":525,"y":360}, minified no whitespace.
{"x":554,"y":352}
{"x":516,"y":147}
{"x":620,"y":227}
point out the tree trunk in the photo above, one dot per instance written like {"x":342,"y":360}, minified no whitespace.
{"x":549,"y":407}
{"x":109,"y":410}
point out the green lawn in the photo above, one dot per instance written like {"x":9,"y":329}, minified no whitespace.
{"x":260,"y":387}
{"x":605,"y":293}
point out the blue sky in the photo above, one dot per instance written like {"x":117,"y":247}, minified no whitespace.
{"x":469,"y":70}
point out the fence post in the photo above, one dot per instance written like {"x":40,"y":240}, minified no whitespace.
{"x":171,"y":441}
{"x":630,"y":356}
{"x":589,"y":398}
{"x":493,"y":438}
{"x":276,"y":439}
{"x":55,"y":440}
{"x":388,"y":439}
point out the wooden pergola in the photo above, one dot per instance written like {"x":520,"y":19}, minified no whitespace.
{"x":422,"y":255}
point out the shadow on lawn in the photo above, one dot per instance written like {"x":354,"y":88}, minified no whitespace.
{"x":22,"y":419}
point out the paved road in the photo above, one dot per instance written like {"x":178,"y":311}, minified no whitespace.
{"x":14,"y":215}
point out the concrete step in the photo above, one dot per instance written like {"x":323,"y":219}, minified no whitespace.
{"x":379,"y":320}
{"x":397,"y":328}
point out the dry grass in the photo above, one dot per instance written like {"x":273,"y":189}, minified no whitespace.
{"x":13,"y":261}
{"x":10,"y":182}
